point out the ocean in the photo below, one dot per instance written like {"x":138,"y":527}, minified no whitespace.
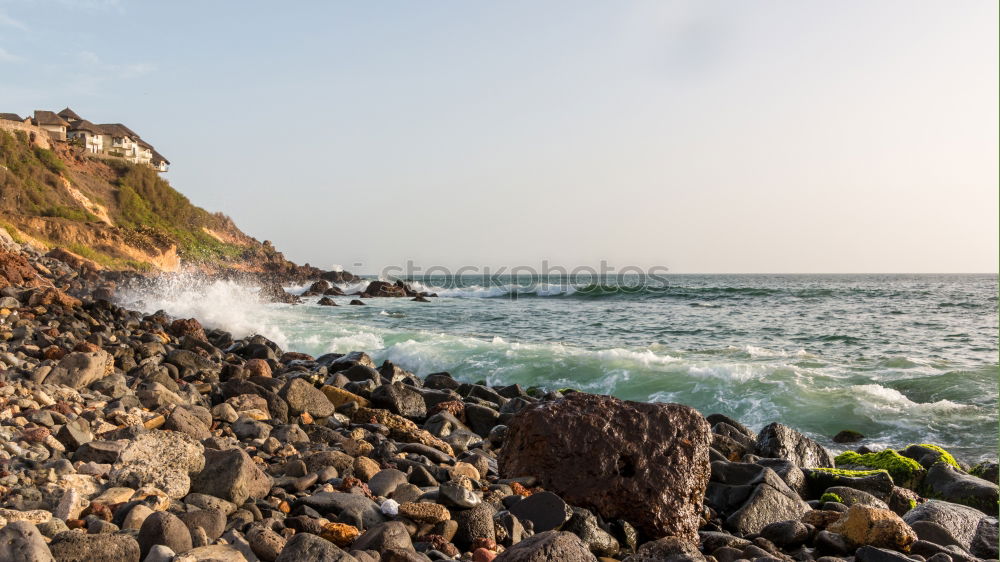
{"x":900,"y":358}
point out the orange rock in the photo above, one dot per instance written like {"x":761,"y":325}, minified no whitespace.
{"x":863,"y":525}
{"x":257,"y":368}
{"x":340,"y":534}
{"x":53,"y":352}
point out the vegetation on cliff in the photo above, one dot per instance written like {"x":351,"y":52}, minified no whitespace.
{"x":121,"y":215}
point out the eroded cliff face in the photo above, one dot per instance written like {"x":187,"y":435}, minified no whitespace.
{"x":119,"y":216}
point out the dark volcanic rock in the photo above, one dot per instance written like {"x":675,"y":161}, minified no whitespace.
{"x":400,"y":399}
{"x":646,"y":463}
{"x":946,"y":482}
{"x":550,"y":545}
{"x":545,"y":510}
{"x":782,"y":442}
{"x":384,"y":536}
{"x":961,"y":521}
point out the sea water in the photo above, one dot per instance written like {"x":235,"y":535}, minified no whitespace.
{"x":900,"y":358}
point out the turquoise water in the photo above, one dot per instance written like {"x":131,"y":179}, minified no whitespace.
{"x":900,"y":358}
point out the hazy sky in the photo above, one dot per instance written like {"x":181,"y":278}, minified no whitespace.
{"x":794,"y":136}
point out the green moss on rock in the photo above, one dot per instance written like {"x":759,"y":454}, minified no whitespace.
{"x":945,"y":455}
{"x":829,"y":497}
{"x":905,"y":471}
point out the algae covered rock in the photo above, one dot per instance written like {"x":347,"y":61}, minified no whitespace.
{"x":946,"y":482}
{"x":904,"y":471}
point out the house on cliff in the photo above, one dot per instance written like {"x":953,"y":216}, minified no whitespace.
{"x":53,"y":124}
{"x":105,"y":140}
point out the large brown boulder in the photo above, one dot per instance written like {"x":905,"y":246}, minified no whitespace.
{"x":646,"y":463}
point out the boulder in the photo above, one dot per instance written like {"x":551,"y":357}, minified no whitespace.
{"x":79,"y":369}
{"x":643,"y":462}
{"x":163,"y":527}
{"x":302,"y":397}
{"x":162,"y":459}
{"x":550,"y":545}
{"x":400,"y":398}
{"x":946,"y":482}
{"x":384,"y":536}
{"x":863,"y":525}
{"x":961,"y":521}
{"x":232,"y":476}
{"x":21,"y":541}
{"x":72,"y":546}
{"x":876,"y":482}
{"x":782,"y":442}
{"x":750,"y":496}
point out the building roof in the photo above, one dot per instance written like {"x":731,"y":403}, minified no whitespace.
{"x":157,"y":158}
{"x":10,"y":117}
{"x":144,"y":144}
{"x":117,"y":130}
{"x":43,"y":117}
{"x":69,"y":115}
{"x":84,"y":125}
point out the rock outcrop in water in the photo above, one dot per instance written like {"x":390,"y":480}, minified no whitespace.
{"x":130,"y":436}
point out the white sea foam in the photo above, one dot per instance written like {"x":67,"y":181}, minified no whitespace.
{"x":216,"y":303}
{"x":878,"y":398}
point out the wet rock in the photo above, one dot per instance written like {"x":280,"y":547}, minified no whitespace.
{"x":550,"y":545}
{"x":647,"y":463}
{"x":230,"y":475}
{"x":750,"y":496}
{"x":782,"y":442}
{"x":74,"y":546}
{"x":945,"y":482}
{"x":863,"y":525}
{"x":163,"y":527}
{"x":848,"y":436}
{"x":545,"y":510}
{"x":21,"y":541}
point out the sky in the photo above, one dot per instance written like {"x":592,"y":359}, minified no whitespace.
{"x":702,"y":136}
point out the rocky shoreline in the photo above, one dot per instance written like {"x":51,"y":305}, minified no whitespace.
{"x":143,"y":437}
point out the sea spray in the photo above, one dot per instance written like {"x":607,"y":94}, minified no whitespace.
{"x":231,"y":305}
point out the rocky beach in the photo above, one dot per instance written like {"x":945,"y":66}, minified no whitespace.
{"x":134,"y":436}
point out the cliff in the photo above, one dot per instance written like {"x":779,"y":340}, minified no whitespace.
{"x":120,"y":216}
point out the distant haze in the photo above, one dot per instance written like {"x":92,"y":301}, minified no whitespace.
{"x":795,"y":136}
